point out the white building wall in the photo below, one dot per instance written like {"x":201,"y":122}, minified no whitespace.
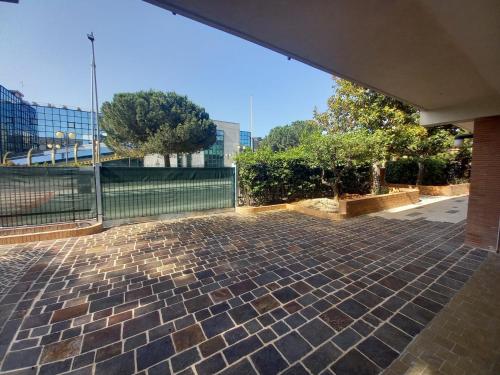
{"x":231,"y":148}
{"x":231,"y":140}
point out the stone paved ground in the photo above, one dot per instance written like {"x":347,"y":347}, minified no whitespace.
{"x":278,"y":292}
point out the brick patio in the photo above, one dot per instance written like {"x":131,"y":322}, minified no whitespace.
{"x":276,"y":292}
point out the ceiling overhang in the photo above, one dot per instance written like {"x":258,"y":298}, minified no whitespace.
{"x":443,"y":57}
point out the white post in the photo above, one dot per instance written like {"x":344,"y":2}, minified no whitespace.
{"x":98,"y":191}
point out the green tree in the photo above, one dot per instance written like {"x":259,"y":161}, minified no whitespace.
{"x":148,"y":122}
{"x":353,"y":107}
{"x":282,"y":138}
{"x":336,"y":151}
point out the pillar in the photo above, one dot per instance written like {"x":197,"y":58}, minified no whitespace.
{"x":484,"y":200}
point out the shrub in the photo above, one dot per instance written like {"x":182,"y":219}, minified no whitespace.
{"x":267,"y":177}
{"x":401,"y":171}
{"x":441,"y":169}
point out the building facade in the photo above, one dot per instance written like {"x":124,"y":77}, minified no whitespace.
{"x":18,"y":123}
{"x":25,"y":126}
{"x":229,"y":142}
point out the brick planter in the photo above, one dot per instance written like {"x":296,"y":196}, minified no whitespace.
{"x":47,"y":232}
{"x":348,"y":207}
{"x":365,"y":205}
{"x":436,"y":190}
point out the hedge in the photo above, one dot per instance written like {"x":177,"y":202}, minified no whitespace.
{"x":267,"y":177}
{"x":438,"y":170}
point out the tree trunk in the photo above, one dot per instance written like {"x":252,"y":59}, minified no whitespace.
{"x":167,"y":160}
{"x":376,"y":183}
{"x":336,"y":191}
{"x":420,"y":175}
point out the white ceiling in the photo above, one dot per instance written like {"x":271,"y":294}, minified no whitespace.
{"x":441,"y":56}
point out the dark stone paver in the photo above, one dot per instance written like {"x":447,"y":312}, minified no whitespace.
{"x":275,"y":293}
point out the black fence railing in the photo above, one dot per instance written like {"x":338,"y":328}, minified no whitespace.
{"x":136,"y":192}
{"x":42,"y":195}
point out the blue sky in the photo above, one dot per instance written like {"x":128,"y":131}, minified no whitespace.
{"x":46,"y":55}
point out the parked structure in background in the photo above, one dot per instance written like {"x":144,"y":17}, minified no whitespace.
{"x":230,"y":140}
{"x":25,"y":126}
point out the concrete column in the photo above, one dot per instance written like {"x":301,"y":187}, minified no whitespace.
{"x":483,"y":215}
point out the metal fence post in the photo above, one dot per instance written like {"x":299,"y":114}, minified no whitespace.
{"x":98,"y":191}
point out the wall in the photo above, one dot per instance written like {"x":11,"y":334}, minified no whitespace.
{"x":484,"y":199}
{"x":231,"y":140}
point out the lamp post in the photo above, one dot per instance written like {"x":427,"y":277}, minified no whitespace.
{"x":66,"y":136}
{"x":96,"y":133}
{"x":53,"y":147}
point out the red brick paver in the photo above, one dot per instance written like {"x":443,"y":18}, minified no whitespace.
{"x":278,"y":292}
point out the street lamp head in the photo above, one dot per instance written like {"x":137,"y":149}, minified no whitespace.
{"x":59,"y":134}
{"x":90,"y":36}
{"x":71,"y":135}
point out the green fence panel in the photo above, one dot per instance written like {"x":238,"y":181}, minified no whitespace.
{"x":43,"y":195}
{"x":136,"y":192}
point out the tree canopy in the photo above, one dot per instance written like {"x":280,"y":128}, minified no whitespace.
{"x":282,"y":138}
{"x":147,"y":122}
{"x":353,"y":107}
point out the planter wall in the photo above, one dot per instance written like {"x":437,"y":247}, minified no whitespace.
{"x":446,"y":190}
{"x":365,"y":205}
{"x":348,"y":208}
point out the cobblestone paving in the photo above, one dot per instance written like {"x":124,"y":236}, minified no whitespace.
{"x":15,"y":260}
{"x":275,"y":293}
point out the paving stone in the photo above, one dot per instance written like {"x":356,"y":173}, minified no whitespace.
{"x":106,"y":303}
{"x":101,"y":338}
{"x":321,"y":358}
{"x":173,"y":312}
{"x":318,"y":280}
{"x":212,"y":345}
{"x":217,"y":324}
{"x":346,"y":339}
{"x":405,"y":324}
{"x":198,"y":303}
{"x":108,"y":351}
{"x":154,"y":352}
{"x":268,"y":361}
{"x":55,"y":367}
{"x":141,"y":324}
{"x":70,"y":312}
{"x":61,"y":350}
{"x":298,"y":369}
{"x":188,"y":337}
{"x":21,"y":358}
{"x":241,"y":349}
{"x":316,"y":332}
{"x":355,"y":363}
{"x":242,"y":287}
{"x":243,"y":313}
{"x":352,"y":308}
{"x":211,"y":365}
{"x":241,"y":368}
{"x":285,"y":295}
{"x":220,"y":295}
{"x":336,"y":319}
{"x":293,"y":346}
{"x":377,"y":351}
{"x":235,"y":335}
{"x":396,"y":339}
{"x":122,"y":364}
{"x":265,"y":303}
{"x":287,"y":271}
{"x":184,"y":359}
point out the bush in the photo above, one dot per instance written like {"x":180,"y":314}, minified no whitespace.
{"x":438,"y":170}
{"x":401,"y":171}
{"x":267,"y":177}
